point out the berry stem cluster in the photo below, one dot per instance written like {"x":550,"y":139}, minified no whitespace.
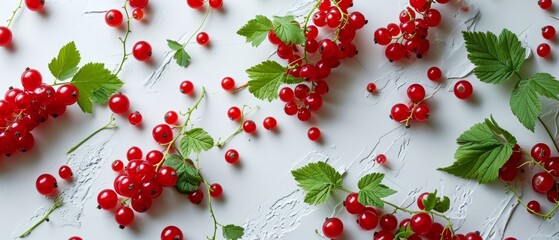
{"x":548,"y":215}
{"x":14,"y":14}
{"x":206,"y":15}
{"x":57,"y":204}
{"x":123,"y":40}
{"x":110,"y":125}
{"x":244,"y":113}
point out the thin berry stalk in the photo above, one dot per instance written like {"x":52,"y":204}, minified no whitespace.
{"x":110,"y":125}
{"x":549,"y":134}
{"x":199,"y":27}
{"x":307,"y":19}
{"x":123,"y":40}
{"x":548,"y":215}
{"x":14,"y":14}
{"x":221,"y":143}
{"x":57,"y":204}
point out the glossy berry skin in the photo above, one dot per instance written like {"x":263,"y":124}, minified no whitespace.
{"x":383,"y":36}
{"x":416,"y":93}
{"x":134,"y":153}
{"x":234,"y":113}
{"x":216,"y":190}
{"x":203,"y":38}
{"x":171,"y":233}
{"x":540,"y":152}
{"x":35,"y":5}
{"x":384,"y":235}
{"x":124,"y":216}
{"x":167,"y":176}
{"x":65,"y":172}
{"x":5,"y":36}
{"x":228,"y":83}
{"x":196,"y":197}
{"x":31,"y":79}
{"x":333,"y":228}
{"x":545,"y":4}
{"x":138,"y":3}
{"x":119,"y":103}
{"x":46,"y":184}
{"x":195,"y":3}
{"x":548,"y":32}
{"x":534,"y":207}
{"x":249,"y":126}
{"x":381,"y":159}
{"x":154,"y":156}
{"x":232,"y":156}
{"x":388,"y":222}
{"x":117,"y":165}
{"x":543,"y":50}
{"x":313,"y":134}
{"x":141,"y":203}
{"x":421,"y":223}
{"x":420,"y":200}
{"x":67,"y":94}
{"x":162,"y":134}
{"x":186,"y":87}
{"x":368,"y":220}
{"x":138,"y":14}
{"x":400,"y":112}
{"x":542,"y":182}
{"x":135,"y":118}
{"x":142,"y":51}
{"x":434,"y":74}
{"x":508,"y":172}
{"x":473,"y":236}
{"x":395,"y":52}
{"x":286,"y":94}
{"x":216,"y":4}
{"x":270,"y":123}
{"x":463,"y":89}
{"x":171,"y":117}
{"x":352,"y":205}
{"x":371,"y":88}
{"x":75,"y":238}
{"x":114,"y":18}
{"x":107,"y":199}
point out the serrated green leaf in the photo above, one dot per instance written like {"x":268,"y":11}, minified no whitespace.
{"x":371,"y":191}
{"x":188,"y":175}
{"x":319,"y":180}
{"x":484,"y":149}
{"x":95,"y":83}
{"x":288,"y":30}
{"x":232,"y":232}
{"x":266,"y":78}
{"x":174,"y":45}
{"x":256,"y":30}
{"x":430,"y":201}
{"x":545,"y":85}
{"x":495,"y":59}
{"x":525,"y":104}
{"x":196,"y":140}
{"x":442,"y":205}
{"x":182,"y":58}
{"x":66,"y":64}
{"x":404,"y":232}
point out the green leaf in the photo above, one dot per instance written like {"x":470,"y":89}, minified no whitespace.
{"x":430,"y":201}
{"x":495,"y":59}
{"x":404,"y":232}
{"x":196,"y":140}
{"x":182,"y":57}
{"x":266,"y":78}
{"x":188,"y":175}
{"x":66,"y":64}
{"x":95,"y":84}
{"x":319,"y":180}
{"x":288,"y":30}
{"x":232,"y":232}
{"x":442,"y":205}
{"x":256,"y":30}
{"x":484,"y":149}
{"x":545,"y":85}
{"x":525,"y":104}
{"x":371,"y":191}
{"x":174,"y":45}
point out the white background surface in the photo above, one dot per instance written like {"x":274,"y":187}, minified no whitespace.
{"x":260,"y":193}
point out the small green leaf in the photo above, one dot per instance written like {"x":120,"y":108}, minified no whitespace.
{"x":66,"y":64}
{"x":266,"y":78}
{"x":319,"y":180}
{"x":525,"y":104}
{"x":174,"y":45}
{"x":288,"y":30}
{"x":256,"y":30}
{"x":182,"y":57}
{"x":545,"y":85}
{"x":188,"y":175}
{"x":442,"y":205}
{"x":371,"y":191}
{"x":232,"y":232}
{"x":196,"y":140}
{"x":430,"y":201}
{"x":95,"y":84}
{"x":484,"y":149}
{"x":404,"y":232}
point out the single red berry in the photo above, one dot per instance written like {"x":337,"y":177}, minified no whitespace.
{"x":313,"y":134}
{"x":421,"y":112}
{"x":134,"y":153}
{"x":162,"y":134}
{"x":542,"y":182}
{"x":508,"y":172}
{"x":473,"y":236}
{"x":135,"y":118}
{"x":46,"y":184}
{"x":314,"y":102}
{"x":119,"y":103}
{"x":5,"y":36}
{"x":552,"y":165}
{"x":286,"y":94}
{"x":333,"y":228}
{"x":371,"y":87}
{"x":107,"y":199}
{"x":249,"y":126}
{"x":463,"y":89}
{"x":141,"y":203}
{"x":548,"y":32}
{"x":203,"y":38}
{"x":388,"y":222}
{"x":35,"y":5}
{"x":553,"y":195}
{"x":186,"y":87}
{"x":67,"y":94}
{"x":416,"y":93}
{"x":141,"y":51}
{"x":420,"y":200}
{"x":273,"y":38}
{"x":234,"y":113}
{"x":395,"y":52}
{"x":357,"y":20}
{"x":31,"y":79}
{"x":138,"y":3}
{"x":154,"y":156}
{"x":75,"y":238}
{"x":384,"y":235}
{"x":117,"y":165}
{"x":400,"y":112}
{"x":421,"y":223}
{"x":138,"y":14}
{"x":152,"y":188}
{"x":434,"y":74}
{"x":195,"y":3}
{"x":543,"y":50}
{"x":352,"y":205}
{"x":171,"y":233}
{"x":510,"y":238}
{"x":540,"y":152}
{"x":534,"y":207}
{"x":167,"y":176}
{"x":114,"y":18}
{"x":196,"y":197}
{"x":270,"y":123}
{"x":124,"y":216}
{"x":171,"y":117}
{"x":545,"y":4}
{"x":432,"y":17}
{"x":232,"y":156}
{"x":65,"y":172}
{"x":383,"y":36}
{"x":368,"y":220}
{"x":381,"y":159}
{"x":228,"y":83}
{"x":216,"y":4}
{"x":216,"y":190}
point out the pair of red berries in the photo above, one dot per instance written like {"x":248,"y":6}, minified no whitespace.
{"x":46,"y":184}
{"x":544,"y":50}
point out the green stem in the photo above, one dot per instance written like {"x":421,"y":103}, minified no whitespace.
{"x":216,"y":223}
{"x":307,"y":18}
{"x":533,"y":161}
{"x":110,"y":125}
{"x":398,"y":208}
{"x":220,"y":143}
{"x":549,"y":134}
{"x":199,"y":27}
{"x":548,"y":215}
{"x":14,"y":14}
{"x":56,"y":205}
{"x":123,"y":41}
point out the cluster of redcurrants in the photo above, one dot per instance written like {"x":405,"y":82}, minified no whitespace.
{"x":548,"y":32}
{"x":47,"y":185}
{"x":22,"y":110}
{"x":203,"y":38}
{"x":417,"y":110}
{"x":6,"y":33}
{"x":542,"y":182}
{"x":420,"y":223}
{"x":306,"y":98}
{"x":410,"y":36}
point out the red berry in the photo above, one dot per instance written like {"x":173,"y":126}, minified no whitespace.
{"x":162,"y":134}
{"x":463,"y":89}
{"x":510,"y":238}
{"x":416,"y":93}
{"x":234,"y":113}
{"x":421,"y":112}
{"x":216,"y":190}
{"x":371,"y":87}
{"x":154,"y":156}
{"x":216,"y":4}
{"x":542,"y":182}
{"x":383,"y":235}
{"x":357,"y":20}
{"x":124,"y":216}
{"x":552,"y":165}
{"x":171,"y":233}
{"x":333,"y":228}
{"x":186,"y":87}
{"x":381,"y":159}
{"x":352,"y":205}
{"x":152,"y":188}
{"x":5,"y":36}
{"x":228,"y":83}
{"x":46,"y":184}
{"x":473,"y":236}
{"x":167,"y":176}
{"x":534,"y":207}
{"x":388,"y":222}
{"x":543,"y":50}
{"x":290,"y":108}
{"x":134,"y":153}
{"x":75,"y":238}
{"x":31,"y":79}
{"x":432,"y":17}
{"x":196,"y":197}
{"x":65,"y":172}
{"x":249,"y":126}
{"x":171,"y":117}
{"x":114,"y":18}
{"x":286,"y":94}
{"x":67,"y":94}
{"x":313,"y":133}
{"x":368,"y":220}
{"x":434,"y":74}
{"x":138,"y":14}
{"x":35,"y":5}
{"x":119,"y":103}
{"x":395,"y":52}
{"x":141,"y":51}
{"x":553,"y":195}
{"x":421,"y":223}
{"x":508,"y":172}
{"x":383,"y":36}
{"x":141,"y":203}
{"x":135,"y":118}
{"x":273,"y":38}
{"x":107,"y":199}
{"x":232,"y":156}
{"x":195,"y":3}
{"x":545,"y":4}
{"x":540,"y":152}
{"x":203,"y":38}
{"x":270,"y":123}
{"x":314,"y":102}
{"x":400,"y":112}
{"x":548,"y":32}
{"x":117,"y":165}
{"x":138,"y":3}
{"x":420,"y":200}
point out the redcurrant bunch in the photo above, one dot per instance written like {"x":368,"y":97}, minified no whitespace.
{"x":416,"y":110}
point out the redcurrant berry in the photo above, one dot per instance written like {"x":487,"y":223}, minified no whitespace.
{"x":249,"y":126}
{"x":138,"y":3}
{"x":381,"y":159}
{"x":333,"y":228}
{"x":216,"y":4}
{"x":542,"y":182}
{"x":195,"y":3}
{"x":232,"y":156}
{"x":234,"y":113}
{"x":5,"y":36}
{"x":540,"y":152}
{"x":421,"y":223}
{"x":416,"y":93}
{"x":421,"y":112}
{"x":124,"y":216}
{"x":117,"y":165}
{"x":545,"y":4}
{"x":162,"y":134}
{"x":65,"y":172}
{"x":171,"y":117}
{"x":138,"y":14}
{"x":270,"y":123}
{"x":171,"y":233}
{"x":119,"y":103}
{"x":114,"y":18}
{"x":46,"y":184}
{"x":141,"y":51}
{"x":35,"y":5}
{"x":463,"y":89}
{"x":135,"y":118}
{"x":543,"y":50}
{"x":352,"y":205}
{"x":314,"y":133}
{"x":534,"y":207}
{"x":388,"y":222}
{"x":434,"y":74}
{"x":203,"y":38}
{"x":167,"y":176}
{"x":107,"y":199}
{"x":196,"y":197}
{"x":228,"y":83}
{"x":368,"y":220}
{"x":400,"y":112}
{"x":422,"y":196}
{"x":154,"y":156}
{"x":67,"y":94}
{"x":548,"y":32}
{"x":216,"y":190}
{"x":186,"y":87}
{"x":371,"y":87}
{"x":134,"y":153}
{"x":31,"y":79}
